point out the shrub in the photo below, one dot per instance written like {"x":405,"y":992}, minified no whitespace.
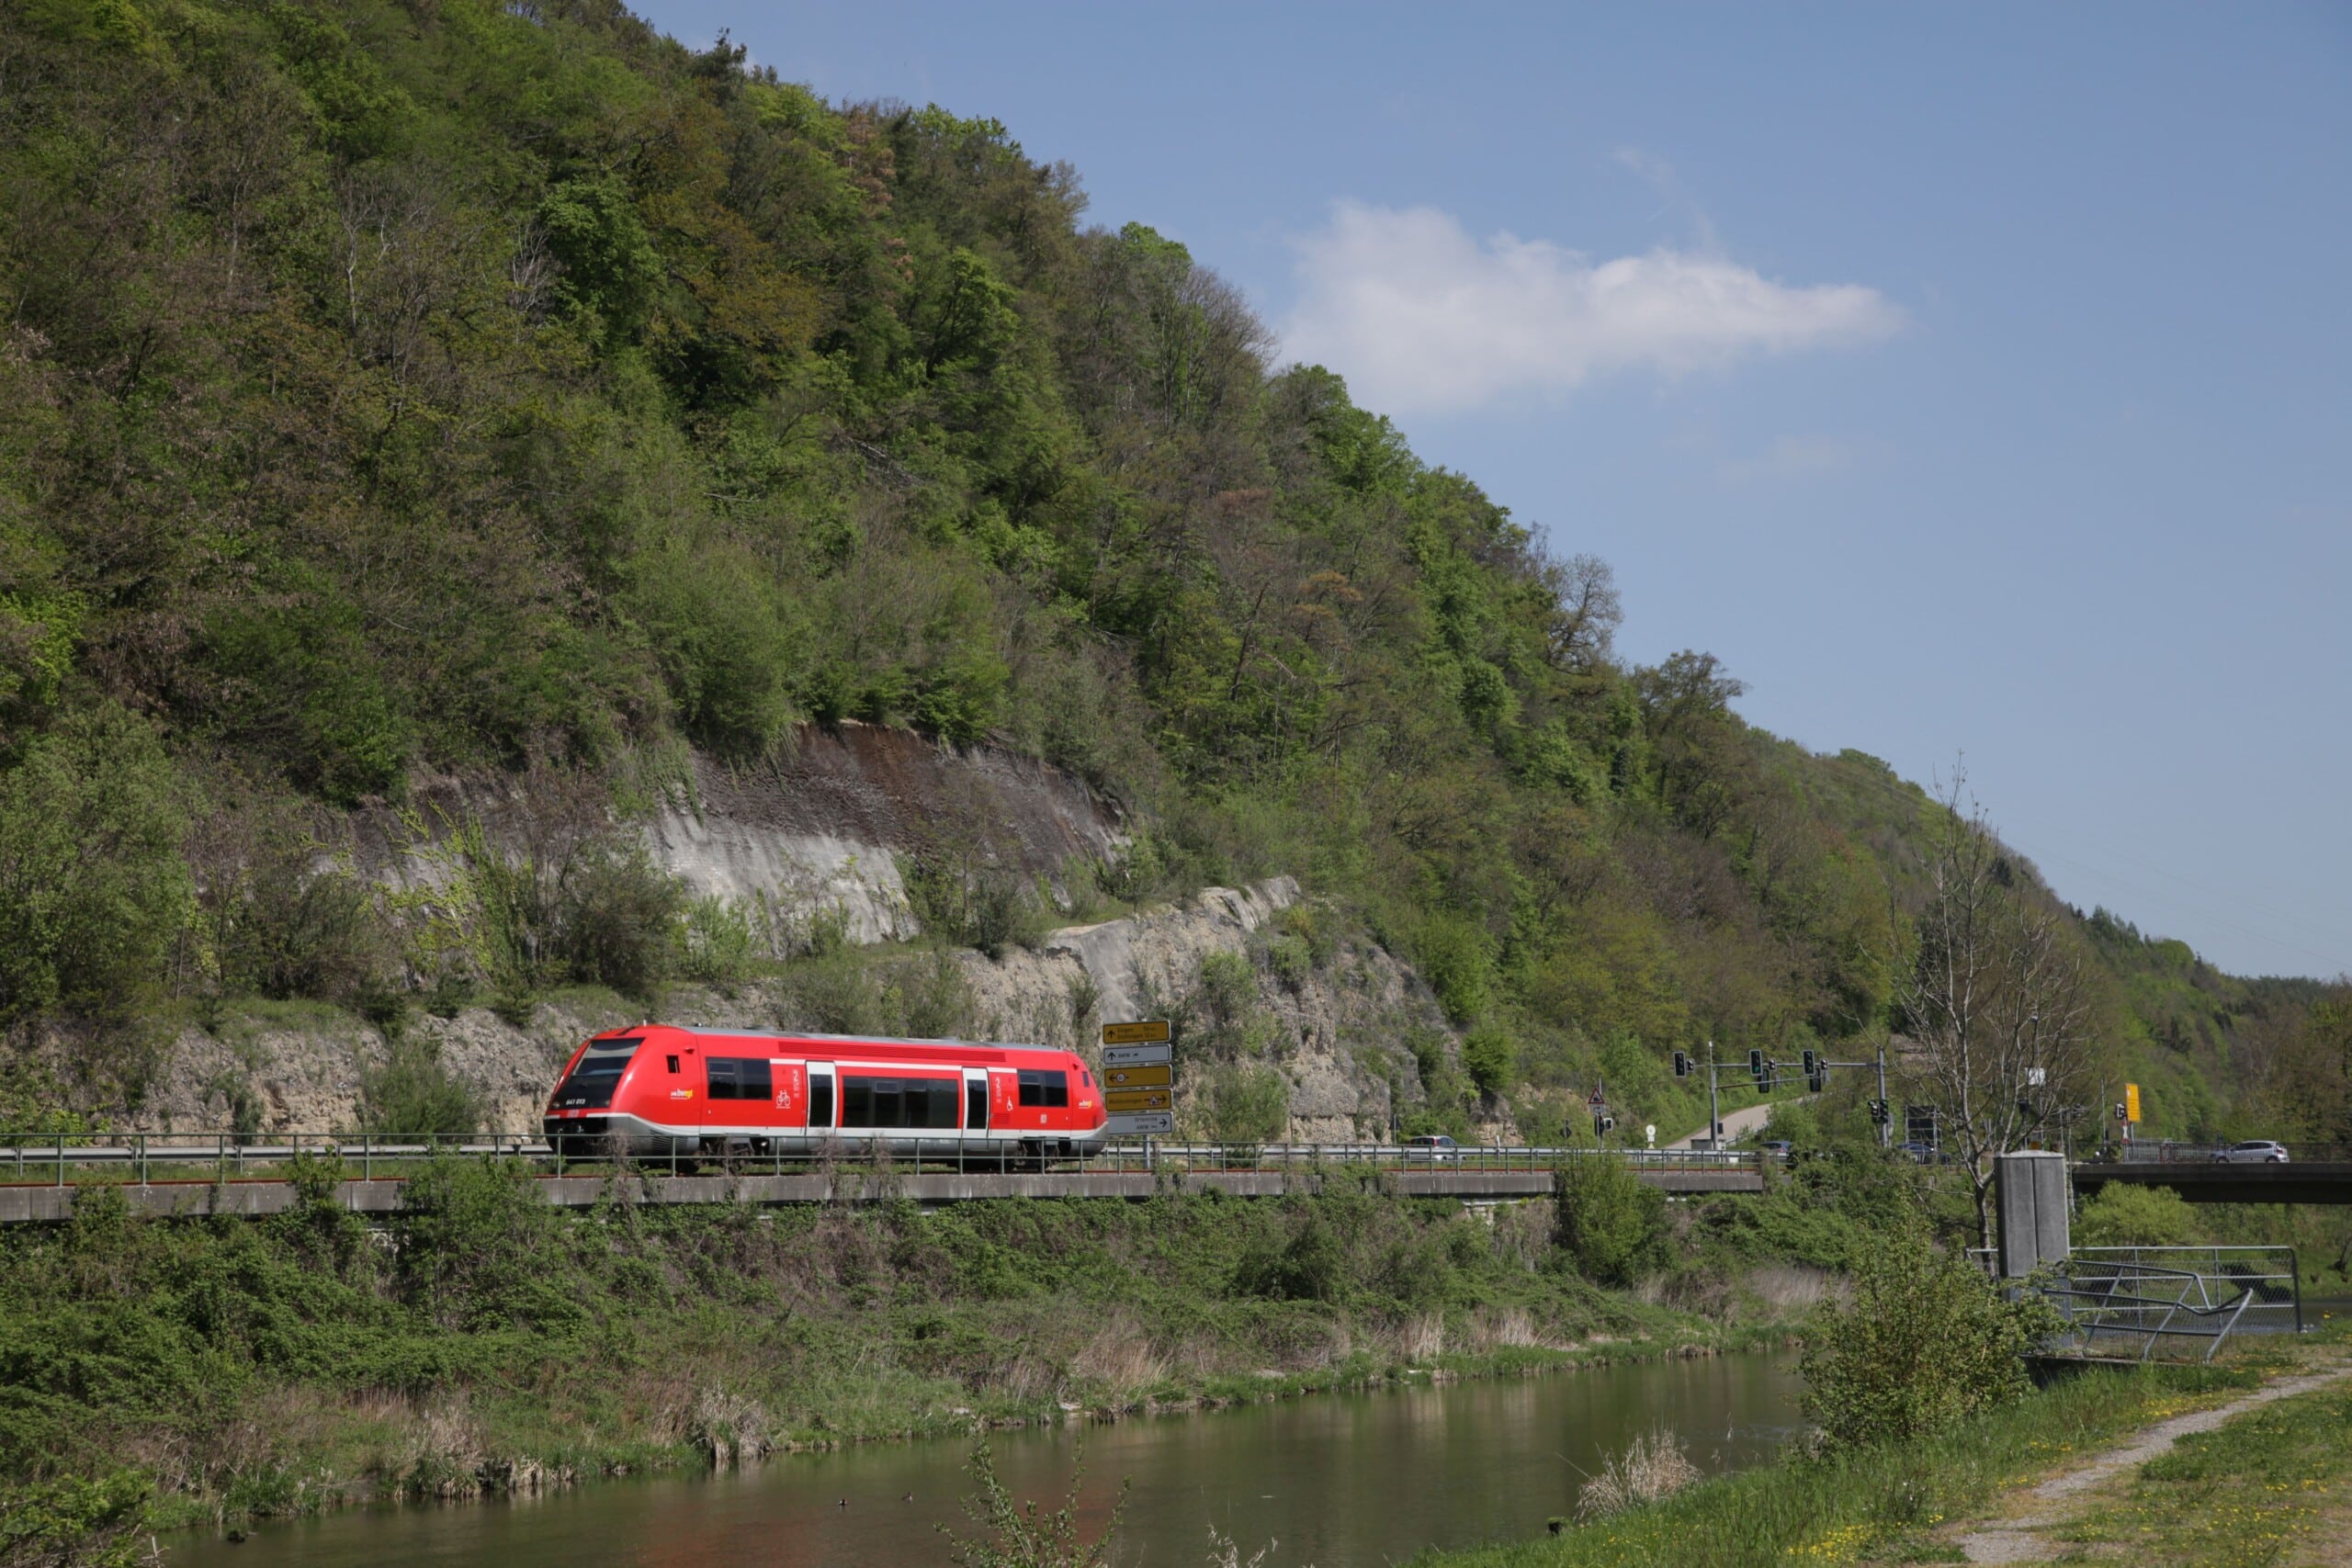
{"x":1925,"y":1341}
{"x":93,"y":889}
{"x":1492,"y":1058}
{"x":414,"y":1095}
{"x":286,"y":931}
{"x":1013,"y":1534}
{"x":1606,"y":1219}
{"x":2122,"y":1215}
{"x":714,"y":942}
{"x":618,"y":910}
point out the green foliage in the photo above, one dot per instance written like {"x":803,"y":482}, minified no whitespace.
{"x":1925,"y":1342}
{"x":1013,"y":1534}
{"x":413,"y":1094}
{"x":93,"y":888}
{"x":1607,"y":1222}
{"x":1491,"y":1057}
{"x":2124,"y":1214}
{"x":76,"y":1522}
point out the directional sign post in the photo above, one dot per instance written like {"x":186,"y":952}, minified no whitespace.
{"x":1139,"y":1080}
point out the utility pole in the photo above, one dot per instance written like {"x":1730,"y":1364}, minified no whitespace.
{"x":1714,"y":1111}
{"x":1886,"y":1124}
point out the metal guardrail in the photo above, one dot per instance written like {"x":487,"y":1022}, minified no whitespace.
{"x":2116,"y":1297}
{"x":2166,"y":1151}
{"x":60,"y":1161}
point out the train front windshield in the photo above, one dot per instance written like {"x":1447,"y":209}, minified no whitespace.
{"x":591,"y":1083}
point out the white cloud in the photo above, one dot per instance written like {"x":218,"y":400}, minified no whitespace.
{"x":1421,"y":316}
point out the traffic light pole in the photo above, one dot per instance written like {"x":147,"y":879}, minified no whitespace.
{"x":1715,"y":1109}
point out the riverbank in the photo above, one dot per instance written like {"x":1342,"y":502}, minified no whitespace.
{"x":481,"y":1343}
{"x":1919,"y":1501}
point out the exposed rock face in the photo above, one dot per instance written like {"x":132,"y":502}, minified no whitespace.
{"x":1337,"y":1032}
{"x":817,"y":834}
{"x":820,"y":833}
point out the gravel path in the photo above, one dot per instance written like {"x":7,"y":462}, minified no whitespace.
{"x":2019,"y":1541}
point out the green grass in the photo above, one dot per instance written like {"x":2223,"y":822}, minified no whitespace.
{"x":2265,"y":1487}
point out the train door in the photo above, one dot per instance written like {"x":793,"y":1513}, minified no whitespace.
{"x":976,"y":1099}
{"x":790,"y":1101}
{"x":822,"y":1103}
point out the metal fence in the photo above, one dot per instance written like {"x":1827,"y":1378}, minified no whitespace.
{"x":143,"y":1157}
{"x":2151,"y":1302}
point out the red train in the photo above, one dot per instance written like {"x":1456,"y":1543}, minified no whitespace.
{"x":663,"y":1090}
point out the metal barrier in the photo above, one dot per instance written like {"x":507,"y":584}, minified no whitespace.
{"x":59,"y":1160}
{"x":2116,"y":1297}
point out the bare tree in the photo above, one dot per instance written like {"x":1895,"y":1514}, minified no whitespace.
{"x":1995,"y":997}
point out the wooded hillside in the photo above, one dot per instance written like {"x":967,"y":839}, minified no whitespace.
{"x":402,"y":387}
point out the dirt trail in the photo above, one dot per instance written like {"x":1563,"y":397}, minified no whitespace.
{"x":2019,"y":1540}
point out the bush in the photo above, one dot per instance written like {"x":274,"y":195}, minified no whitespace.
{"x":93,"y":889}
{"x":618,"y":912}
{"x":1492,"y":1058}
{"x":714,"y":942}
{"x":287,"y":932}
{"x":1607,"y":1220}
{"x":1925,"y":1341}
{"x":413,"y":1095}
{"x":2123,"y":1215}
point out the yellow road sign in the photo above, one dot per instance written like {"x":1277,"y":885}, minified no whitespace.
{"x":1120,"y":1100}
{"x":1158,"y":1075}
{"x":2131,"y":1103}
{"x":1149,"y":1031}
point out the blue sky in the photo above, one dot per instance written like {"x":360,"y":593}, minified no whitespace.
{"x":1975,"y":382}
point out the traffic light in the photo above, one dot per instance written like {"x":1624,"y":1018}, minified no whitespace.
{"x":2119,"y":1112}
{"x":1813,"y":1071}
{"x":1756,"y":1065}
{"x":1681,"y":1065}
{"x":1879,"y":1114}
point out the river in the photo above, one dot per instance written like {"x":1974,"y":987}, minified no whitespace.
{"x":1341,"y":1482}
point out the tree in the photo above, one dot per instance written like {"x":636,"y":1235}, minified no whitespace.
{"x":1995,"y":998}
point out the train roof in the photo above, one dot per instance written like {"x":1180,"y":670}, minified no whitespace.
{"x":901,"y":1041}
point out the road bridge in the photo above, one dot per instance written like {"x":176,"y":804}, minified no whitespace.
{"x":2303,"y":1181}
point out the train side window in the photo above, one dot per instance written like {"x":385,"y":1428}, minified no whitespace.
{"x":722,"y":1078}
{"x":753,"y":1080}
{"x":857,"y":1102}
{"x":673,"y":1064}
{"x":1033,"y":1087}
{"x":820,"y":1100}
{"x":942,"y":1095}
{"x":1057,"y":1088}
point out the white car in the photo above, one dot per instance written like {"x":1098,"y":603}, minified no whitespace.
{"x":2253,"y":1150}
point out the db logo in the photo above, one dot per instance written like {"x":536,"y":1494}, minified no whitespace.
{"x":682,"y":1094}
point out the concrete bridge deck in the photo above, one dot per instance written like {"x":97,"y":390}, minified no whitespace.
{"x":255,"y":1197}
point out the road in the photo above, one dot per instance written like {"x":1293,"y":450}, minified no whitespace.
{"x":1738,"y":1124}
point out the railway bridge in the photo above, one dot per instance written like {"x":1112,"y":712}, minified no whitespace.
{"x":191,"y":1178}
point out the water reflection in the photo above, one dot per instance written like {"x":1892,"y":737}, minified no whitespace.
{"x":1350,"y":1481}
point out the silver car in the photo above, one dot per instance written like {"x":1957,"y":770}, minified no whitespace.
{"x":2253,"y":1151}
